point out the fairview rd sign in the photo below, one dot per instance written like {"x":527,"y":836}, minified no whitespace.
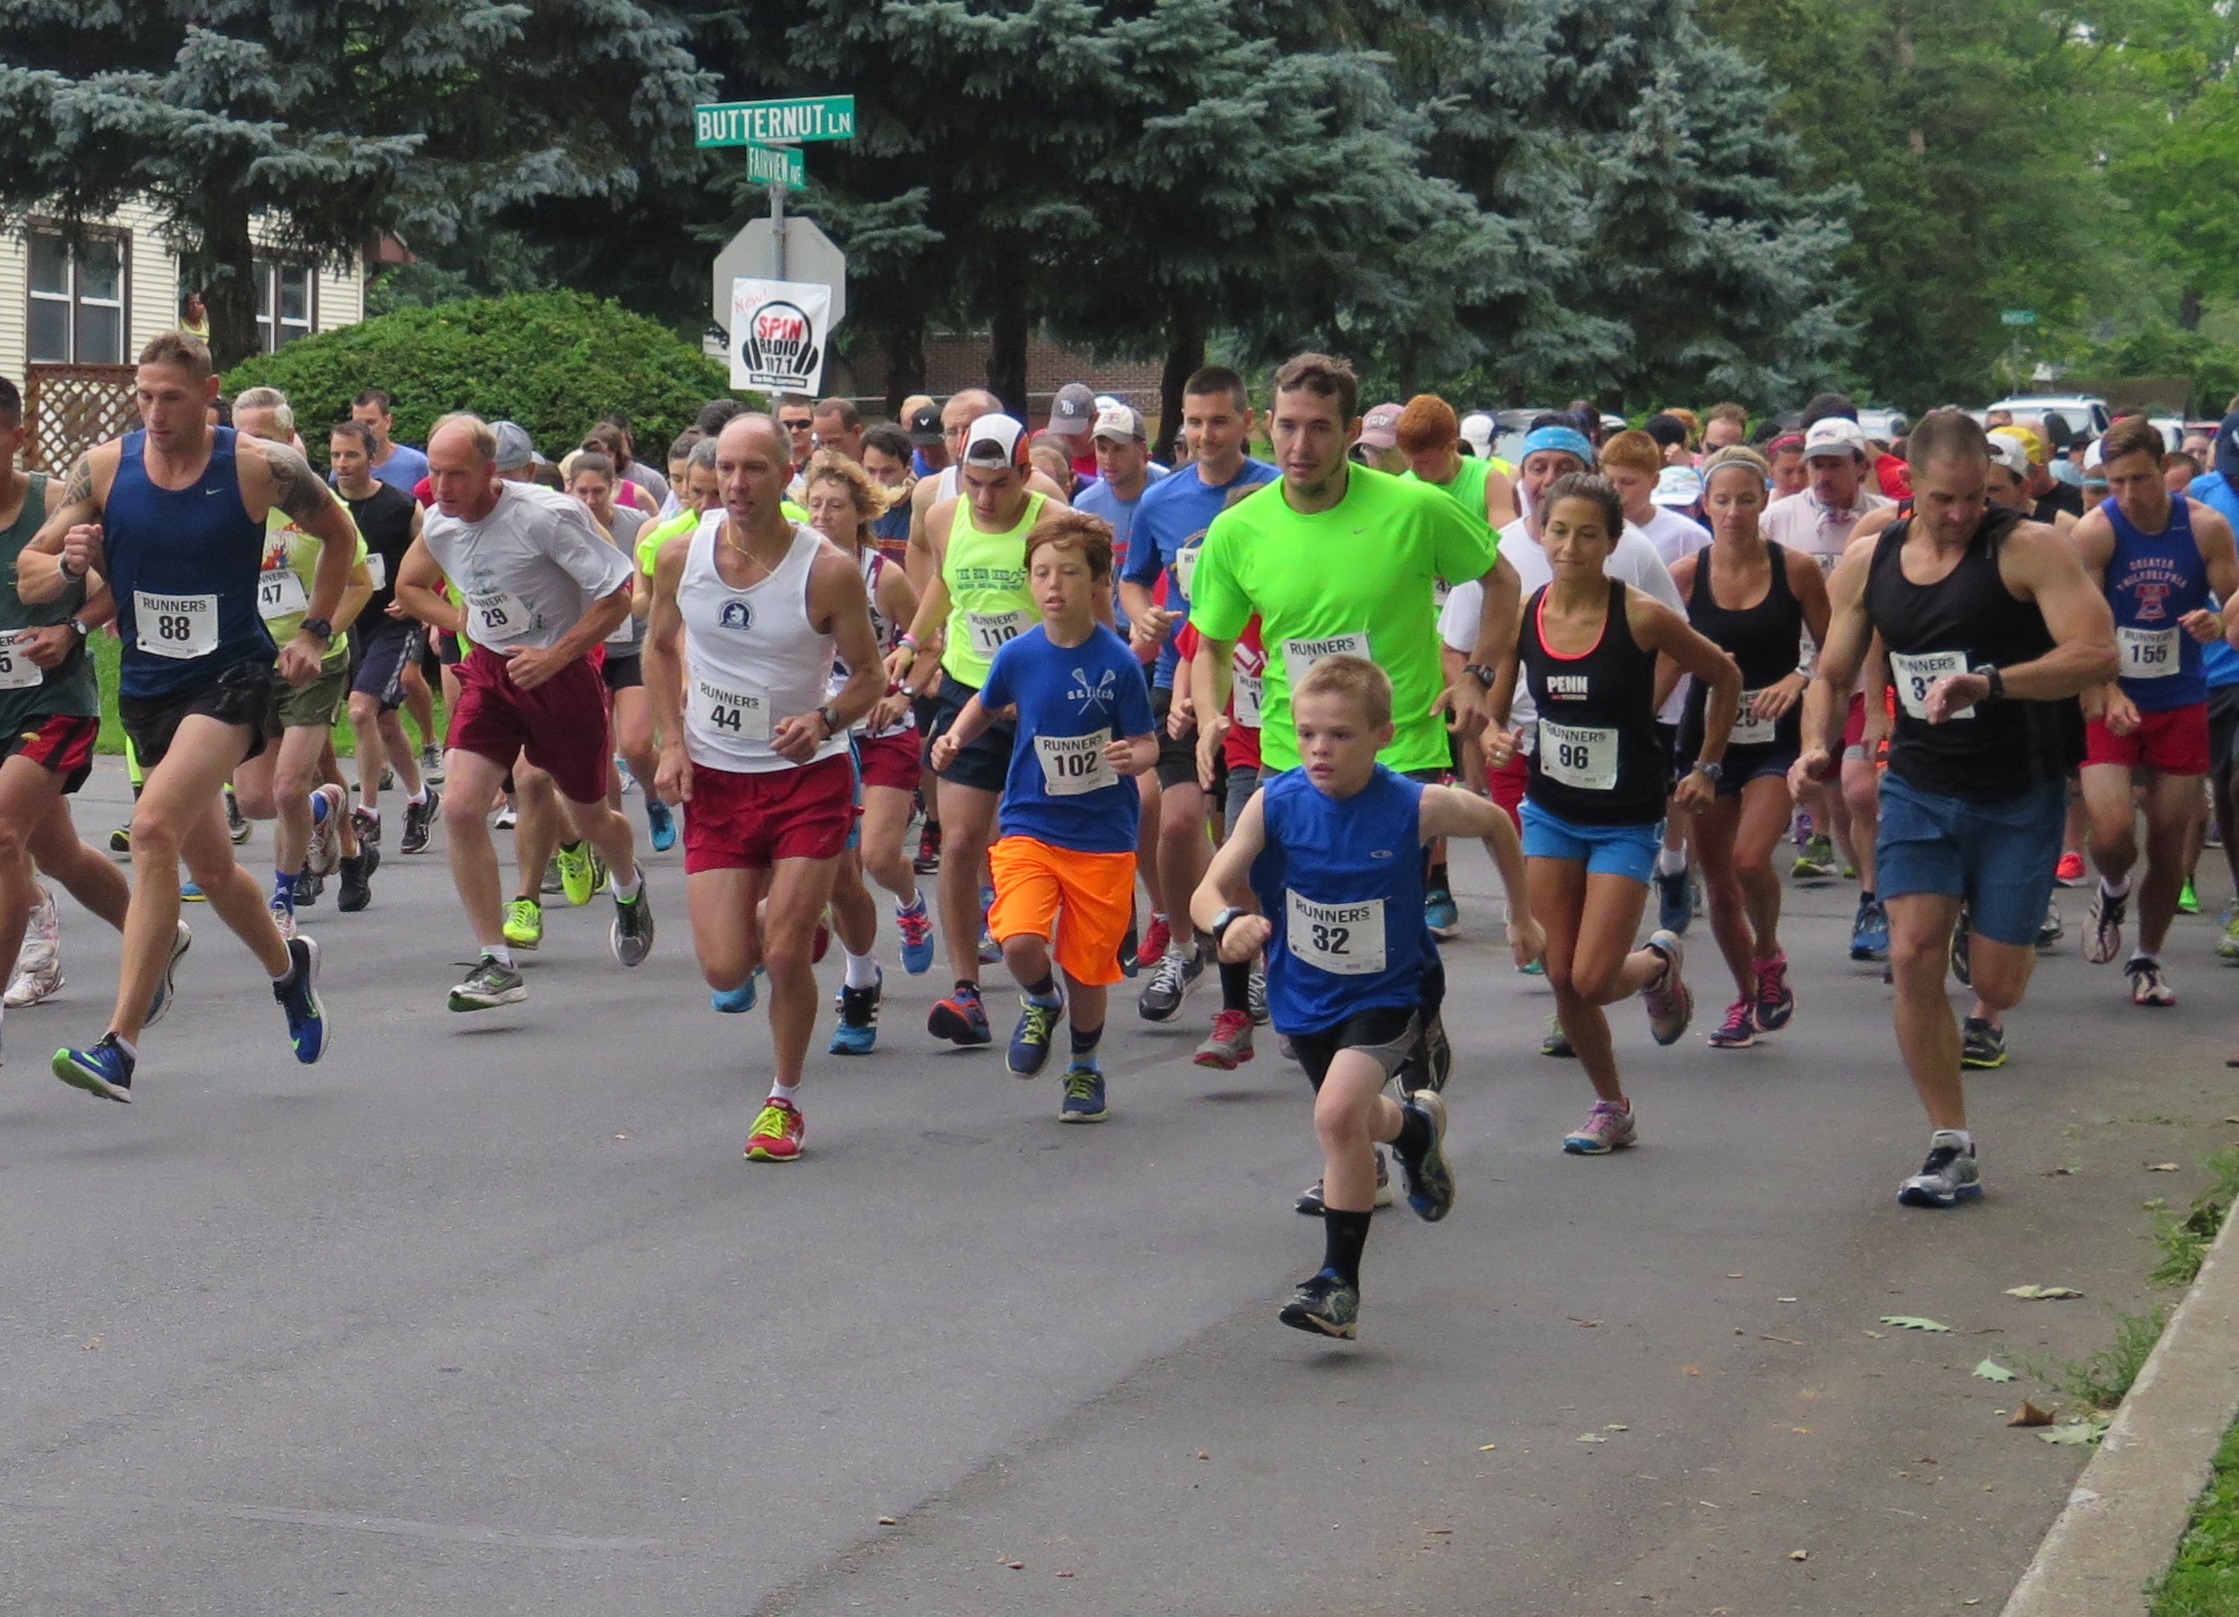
{"x":758,"y":123}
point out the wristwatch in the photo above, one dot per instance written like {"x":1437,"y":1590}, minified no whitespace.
{"x":1484,"y":676}
{"x":832,"y":725}
{"x":318,"y":629}
{"x":1222,"y":920}
{"x":78,"y":624}
{"x":1710,"y":769}
{"x":1997,"y":680}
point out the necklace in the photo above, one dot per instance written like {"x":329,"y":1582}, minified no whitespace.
{"x":741,"y":550}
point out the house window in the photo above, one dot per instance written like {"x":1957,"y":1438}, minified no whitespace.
{"x":77,"y":300}
{"x":284,"y":303}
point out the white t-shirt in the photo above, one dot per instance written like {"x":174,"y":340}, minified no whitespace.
{"x":1674,"y":536}
{"x":1800,"y":522}
{"x":1634,"y":560}
{"x":528,"y":572}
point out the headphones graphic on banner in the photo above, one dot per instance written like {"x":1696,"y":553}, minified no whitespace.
{"x":779,"y":331}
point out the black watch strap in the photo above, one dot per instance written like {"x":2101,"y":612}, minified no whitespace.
{"x":1484,"y":676}
{"x":318,"y":629}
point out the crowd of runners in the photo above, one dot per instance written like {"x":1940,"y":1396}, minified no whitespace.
{"x":1206,"y":724}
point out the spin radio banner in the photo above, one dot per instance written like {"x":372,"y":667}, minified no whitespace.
{"x":779,"y":330}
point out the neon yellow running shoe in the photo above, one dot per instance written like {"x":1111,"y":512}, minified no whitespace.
{"x":2188,"y":901}
{"x":524,"y":923}
{"x":577,"y":879}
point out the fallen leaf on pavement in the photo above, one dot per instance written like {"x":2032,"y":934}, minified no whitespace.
{"x":1592,"y":1437}
{"x":1487,"y":1448}
{"x":2042,"y":1294}
{"x":1912,"y":1322}
{"x":1799,"y":1555}
{"x":1202,"y":1455}
{"x":1690,"y":1369}
{"x":1991,"y":1370}
{"x":2083,"y":1431}
{"x":2161,"y":1167}
{"x":2030,"y":1415}
{"x":1583,"y":1324}
{"x":1616,"y":1426}
{"x":93,"y":1346}
{"x":886,"y":1521}
{"x":1879,"y":1336}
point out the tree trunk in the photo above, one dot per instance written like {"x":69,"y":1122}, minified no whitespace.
{"x":2188,"y":309}
{"x":1409,"y":368}
{"x":226,"y":265}
{"x":905,"y":356}
{"x":1006,"y":348}
{"x":1185,"y":354}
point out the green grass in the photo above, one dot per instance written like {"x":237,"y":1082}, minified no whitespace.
{"x":2184,"y":1241}
{"x":2204,"y":1581}
{"x":106,"y":651}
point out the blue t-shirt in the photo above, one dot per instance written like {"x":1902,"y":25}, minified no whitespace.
{"x":1171,"y":518}
{"x":1100,"y":499}
{"x":1073,"y":701}
{"x":403,"y":469}
{"x":2217,"y":660}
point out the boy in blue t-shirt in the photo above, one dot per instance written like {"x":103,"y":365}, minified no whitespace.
{"x":1064,"y":867}
{"x":1334,"y":848}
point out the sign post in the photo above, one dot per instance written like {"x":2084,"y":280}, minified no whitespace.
{"x":769,"y":130}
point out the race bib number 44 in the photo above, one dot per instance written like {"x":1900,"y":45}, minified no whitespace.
{"x":2149,"y":653}
{"x":1916,"y":673}
{"x":1584,"y":756}
{"x":738,"y":715}
{"x":175,"y":626}
{"x":1346,"y":940}
{"x":1074,"y":765}
{"x":1300,"y":655}
{"x":17,"y":671}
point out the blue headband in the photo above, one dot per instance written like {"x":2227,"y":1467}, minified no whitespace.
{"x":1563,"y":440}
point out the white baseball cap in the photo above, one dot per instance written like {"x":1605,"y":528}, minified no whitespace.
{"x":1120,"y":421}
{"x":1834,"y":435}
{"x":2011,"y":453}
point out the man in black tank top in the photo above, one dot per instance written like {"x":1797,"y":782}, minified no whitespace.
{"x":1993,"y":631}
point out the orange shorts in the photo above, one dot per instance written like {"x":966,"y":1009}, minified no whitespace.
{"x":1096,"y":891}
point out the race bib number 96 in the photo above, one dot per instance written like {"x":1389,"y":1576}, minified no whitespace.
{"x":1584,"y":756}
{"x":1346,"y":940}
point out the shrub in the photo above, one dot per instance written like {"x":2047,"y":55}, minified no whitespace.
{"x":553,"y":361}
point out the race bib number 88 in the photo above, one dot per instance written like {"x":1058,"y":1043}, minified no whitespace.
{"x":179,"y":627}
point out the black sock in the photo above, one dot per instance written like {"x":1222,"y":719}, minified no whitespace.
{"x":1865,"y":895}
{"x":966,"y":988}
{"x":1438,"y":874}
{"x":1086,"y":1039}
{"x":1236,"y":986}
{"x":1343,"y":1237}
{"x":1415,"y":1134}
{"x":1045,"y":989}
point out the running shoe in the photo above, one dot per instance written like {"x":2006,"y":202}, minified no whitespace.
{"x":509,"y":818}
{"x":1963,"y":947}
{"x":1430,"y":1060}
{"x":325,"y":851}
{"x":1869,"y":931}
{"x":419,"y":819}
{"x":577,"y":879}
{"x":1030,"y":1040}
{"x":1948,"y":1177}
{"x":1310,"y":1199}
{"x":167,"y":985}
{"x":1255,"y":995}
{"x":1533,"y":968}
{"x":857,"y":1031}
{"x":489,"y":985}
{"x":1177,"y":974}
{"x":737,"y":1001}
{"x":524,"y":924}
{"x":777,"y":1133}
{"x":1084,"y":1097}
{"x":1982,"y":1044}
{"x":1327,"y":1305}
{"x":1739,"y":1030}
{"x":2070,"y":870}
{"x":990,"y":950}
{"x":622,"y":775}
{"x":1555,"y":1042}
{"x":283,"y":916}
{"x":236,"y":824}
{"x":2149,"y":984}
{"x":1608,"y":1127}
{"x":630,"y":935}
{"x":599,"y":873}
{"x":298,"y":996}
{"x":2188,"y":899}
{"x":1441,"y":914}
{"x":928,"y":860}
{"x":103,"y":1070}
{"x":388,"y":777}
{"x":192,"y":893}
{"x":1674,"y":909}
{"x":1229,"y":1045}
{"x":961,"y":1018}
{"x":39,"y":964}
{"x":1430,"y":1182}
{"x":2103,"y":926}
{"x":916,"y":928}
{"x":1815,"y":860}
{"x":1152,"y":949}
{"x":660,"y":824}
{"x":1669,"y":1005}
{"x":551,"y":886}
{"x":2227,"y":946}
{"x":2050,"y":930}
{"x":356,"y":891}
{"x":120,"y":840}
{"x":367,"y":823}
{"x":431,"y":763}
{"x":1776,"y":1001}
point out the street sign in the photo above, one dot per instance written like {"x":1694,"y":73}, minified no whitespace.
{"x":810,"y":255}
{"x":2018,"y":317}
{"x":749,"y":123}
{"x":777,"y":165}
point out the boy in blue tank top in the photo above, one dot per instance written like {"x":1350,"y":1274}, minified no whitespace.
{"x":1064,"y":866}
{"x":1333,"y":849}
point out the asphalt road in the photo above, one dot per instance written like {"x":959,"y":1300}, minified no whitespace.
{"x":486,"y":1315}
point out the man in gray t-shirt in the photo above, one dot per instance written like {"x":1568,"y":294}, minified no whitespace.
{"x":535,"y":589}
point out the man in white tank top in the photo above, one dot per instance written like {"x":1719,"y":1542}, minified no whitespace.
{"x":749,"y":612}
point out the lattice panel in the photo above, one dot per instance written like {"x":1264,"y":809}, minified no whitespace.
{"x":70,"y":408}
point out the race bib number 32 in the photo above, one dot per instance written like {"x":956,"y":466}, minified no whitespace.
{"x":176,"y":626}
{"x":1346,"y":940}
{"x":1916,"y":673}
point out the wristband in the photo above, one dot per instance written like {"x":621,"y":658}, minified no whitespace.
{"x":905,"y":638}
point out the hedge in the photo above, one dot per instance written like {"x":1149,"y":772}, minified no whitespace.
{"x":552,"y":361}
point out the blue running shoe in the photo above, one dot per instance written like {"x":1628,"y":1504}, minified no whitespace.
{"x":737,"y":1001}
{"x":299,"y":997}
{"x":1030,"y":1040}
{"x":961,"y":1018}
{"x":916,"y":928}
{"x":1084,"y":1097}
{"x":1869,"y":931}
{"x":1674,"y":906}
{"x":990,"y":950}
{"x":104,"y":1070}
{"x":661,"y":822}
{"x":858,"y":1029}
{"x":1430,"y":1183}
{"x":192,"y":894}
{"x":1441,"y":914}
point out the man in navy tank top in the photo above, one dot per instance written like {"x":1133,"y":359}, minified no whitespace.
{"x":2156,"y":558}
{"x":1993,"y":631}
{"x":1324,"y":871}
{"x":173,"y":516}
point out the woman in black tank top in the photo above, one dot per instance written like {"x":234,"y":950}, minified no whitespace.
{"x":1754,"y":599}
{"x":1588,"y":646}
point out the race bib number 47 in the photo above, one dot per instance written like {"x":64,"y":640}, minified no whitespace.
{"x":1346,"y":940}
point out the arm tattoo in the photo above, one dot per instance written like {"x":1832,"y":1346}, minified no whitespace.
{"x":296,"y":489}
{"x":79,"y":490}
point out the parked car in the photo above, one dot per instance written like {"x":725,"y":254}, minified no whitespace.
{"x":2084,"y":413}
{"x":1884,"y":426}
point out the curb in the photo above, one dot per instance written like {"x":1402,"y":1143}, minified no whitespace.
{"x":2127,"y":1512}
